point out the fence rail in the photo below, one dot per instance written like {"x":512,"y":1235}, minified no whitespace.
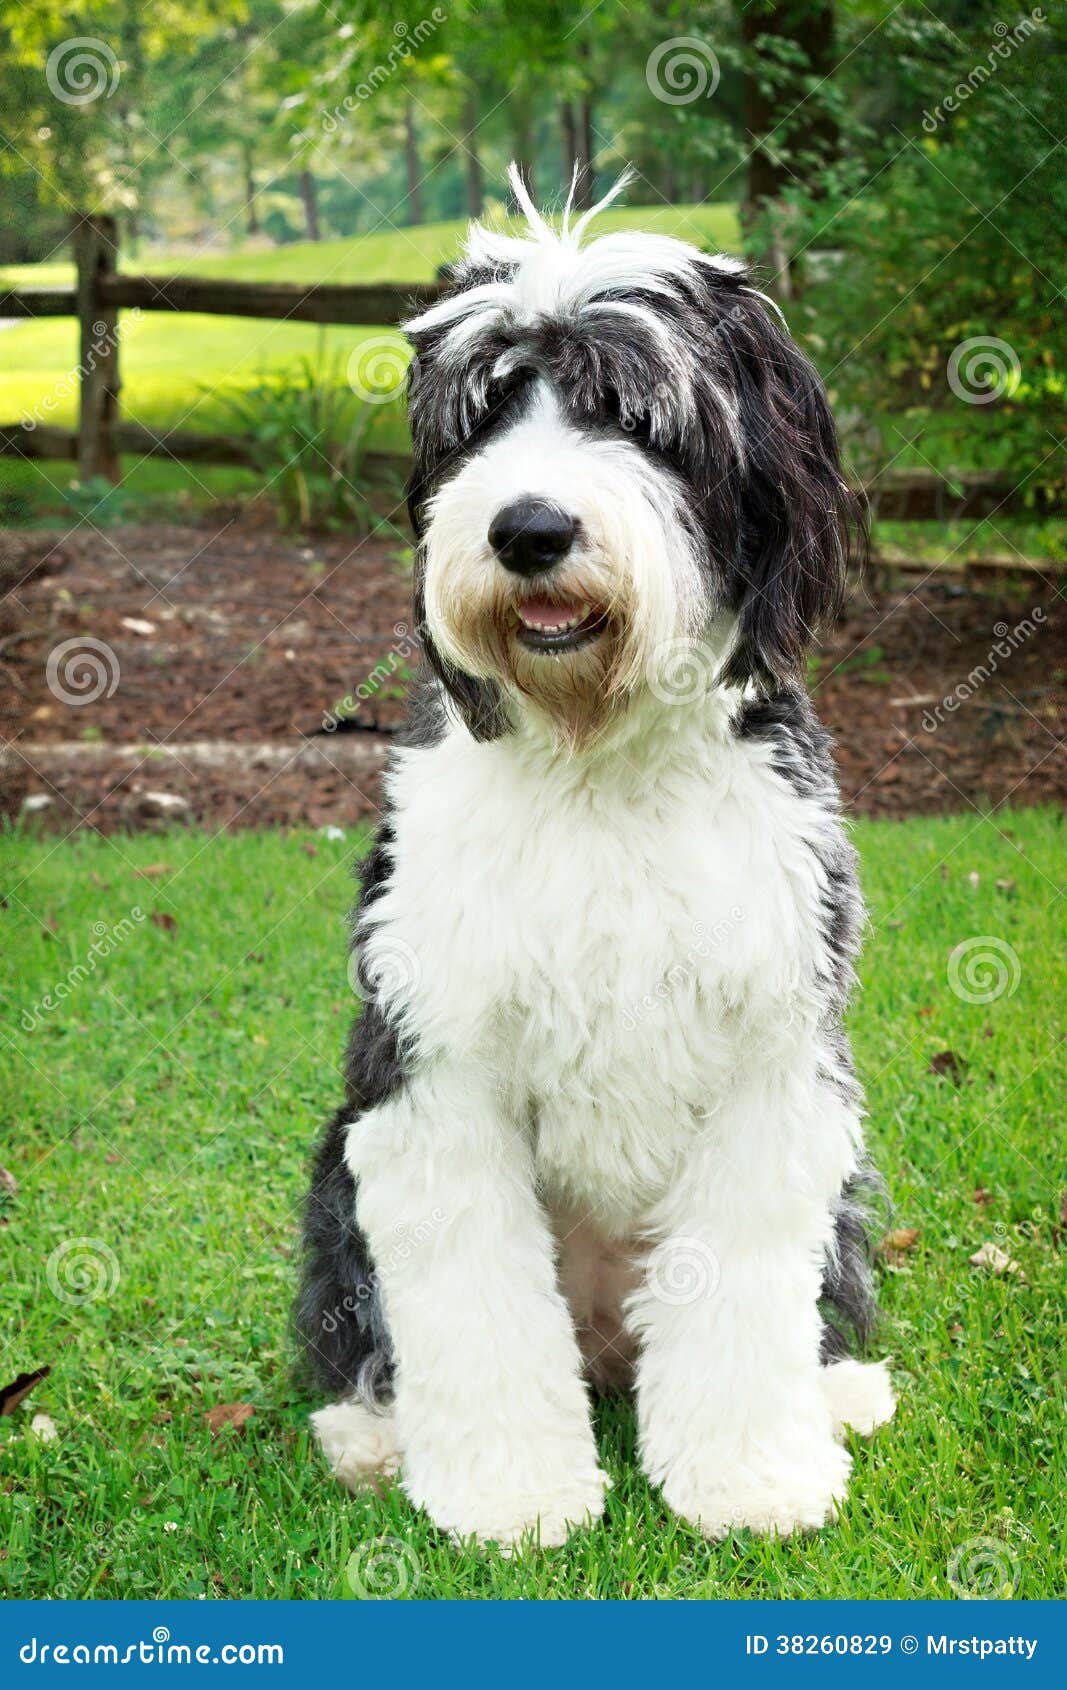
{"x":100,"y":293}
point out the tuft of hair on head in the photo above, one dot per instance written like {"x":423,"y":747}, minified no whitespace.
{"x":570,"y":233}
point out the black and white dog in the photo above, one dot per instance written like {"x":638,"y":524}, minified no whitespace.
{"x":601,"y":1123}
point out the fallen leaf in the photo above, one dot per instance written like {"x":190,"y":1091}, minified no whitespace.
{"x":309,"y":848}
{"x":44,"y":1427}
{"x":153,"y":871}
{"x":164,"y":919}
{"x":137,"y":625}
{"x":904,"y":1238}
{"x":1006,"y":886}
{"x":948,"y":1066}
{"x":991,"y":1256}
{"x":894,"y":926}
{"x":11,"y":1395}
{"x":982,"y":1195}
{"x":9,"y":1183}
{"x":233,"y":1414}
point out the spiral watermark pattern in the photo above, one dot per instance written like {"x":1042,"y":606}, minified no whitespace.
{"x":382,"y":1570}
{"x":83,"y":1270}
{"x":682,"y":1270}
{"x":682,"y":70}
{"x":983,"y":969}
{"x":81,"y":670}
{"x":683,"y":671}
{"x":386,"y":967}
{"x":82,"y":69}
{"x":984,"y":1569}
{"x":377,"y":368}
{"x":983,"y":369}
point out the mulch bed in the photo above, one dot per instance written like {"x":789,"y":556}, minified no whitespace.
{"x":235,"y":641}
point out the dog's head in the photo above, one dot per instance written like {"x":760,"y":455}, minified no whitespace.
{"x":618,"y":450}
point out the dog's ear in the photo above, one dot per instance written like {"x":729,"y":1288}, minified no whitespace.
{"x":478,"y":703}
{"x":800,"y":525}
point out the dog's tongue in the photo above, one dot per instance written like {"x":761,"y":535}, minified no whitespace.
{"x":546,"y":613}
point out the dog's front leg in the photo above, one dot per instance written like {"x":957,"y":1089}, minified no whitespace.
{"x":735,"y":1421}
{"x":492,"y":1417}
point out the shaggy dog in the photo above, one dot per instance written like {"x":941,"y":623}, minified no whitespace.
{"x":601,"y":1124}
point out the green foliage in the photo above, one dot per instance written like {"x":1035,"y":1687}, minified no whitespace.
{"x":308,"y":435}
{"x":167,"y":1109}
{"x":936,"y":315}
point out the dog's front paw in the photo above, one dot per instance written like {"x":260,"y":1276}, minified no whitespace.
{"x":509,"y":1507}
{"x":736,"y":1493}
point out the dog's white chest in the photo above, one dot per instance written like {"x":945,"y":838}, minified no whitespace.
{"x":602,"y":947}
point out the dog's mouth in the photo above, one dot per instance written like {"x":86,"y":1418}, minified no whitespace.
{"x":557,"y":625}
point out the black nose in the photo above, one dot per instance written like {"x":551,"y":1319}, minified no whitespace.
{"x":530,"y":535}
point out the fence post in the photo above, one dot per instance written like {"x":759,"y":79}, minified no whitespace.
{"x":95,"y":250}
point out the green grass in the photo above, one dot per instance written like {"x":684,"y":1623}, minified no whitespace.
{"x":165,"y":1115}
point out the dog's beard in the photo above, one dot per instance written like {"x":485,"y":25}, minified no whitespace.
{"x":475,"y":617}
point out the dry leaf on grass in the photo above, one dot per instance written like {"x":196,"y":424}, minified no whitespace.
{"x":233,"y":1414}
{"x":152,"y":871}
{"x":8,"y":1182}
{"x":982,"y":1195}
{"x":948,"y":1066}
{"x":904,"y":1238}
{"x":164,"y":919}
{"x":20,"y":1388}
{"x":991,"y":1256}
{"x":895,"y":1245}
{"x":44,"y":1427}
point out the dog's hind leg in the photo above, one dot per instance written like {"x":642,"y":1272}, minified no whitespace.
{"x":358,"y":1442}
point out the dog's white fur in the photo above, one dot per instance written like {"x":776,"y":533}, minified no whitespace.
{"x":608,"y":964}
{"x":526,"y":955}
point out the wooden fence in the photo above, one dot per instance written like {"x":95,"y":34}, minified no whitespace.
{"x":101,"y":293}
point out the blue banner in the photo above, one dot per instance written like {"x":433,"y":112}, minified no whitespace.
{"x":544,"y":1645}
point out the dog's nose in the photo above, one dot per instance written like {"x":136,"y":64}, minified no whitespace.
{"x":531,"y":535}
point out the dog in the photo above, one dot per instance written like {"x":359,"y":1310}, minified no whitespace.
{"x":601,"y":1126}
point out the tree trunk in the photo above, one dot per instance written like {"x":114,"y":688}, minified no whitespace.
{"x":475,"y":189}
{"x":791,"y":133}
{"x":570,"y":140}
{"x":778,"y":120}
{"x":586,"y":149}
{"x":411,"y":160}
{"x":251,"y":210}
{"x":311,"y":204}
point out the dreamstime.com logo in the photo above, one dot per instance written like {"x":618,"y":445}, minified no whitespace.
{"x":83,"y":1270}
{"x":1008,"y":640}
{"x":81,"y":670}
{"x":82,"y":69}
{"x":382,"y":1570}
{"x":408,"y":37}
{"x":681,"y":1271}
{"x":1008,"y":38}
{"x":107,"y":939}
{"x":983,"y":969}
{"x":377,"y":367}
{"x":158,"y":1650}
{"x":105,"y":338}
{"x":984,"y":1569}
{"x":384,"y":670}
{"x":386,"y":967}
{"x":682,"y":70}
{"x":983,"y":369}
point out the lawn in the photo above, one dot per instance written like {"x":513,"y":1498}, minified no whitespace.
{"x":157,"y":1125}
